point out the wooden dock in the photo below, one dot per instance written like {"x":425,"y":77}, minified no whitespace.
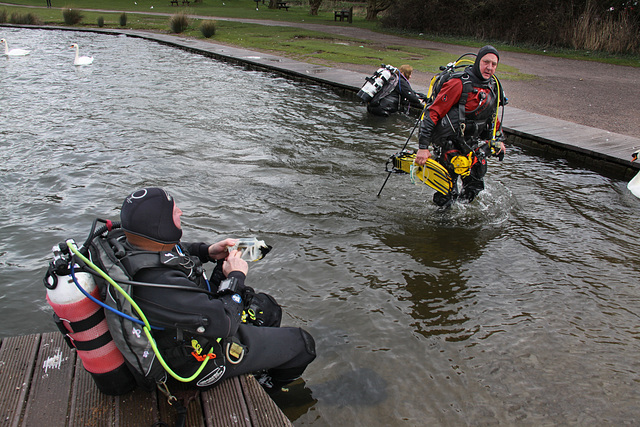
{"x":43,"y":383}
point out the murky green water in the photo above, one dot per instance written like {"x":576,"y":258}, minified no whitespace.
{"x":519,"y":309}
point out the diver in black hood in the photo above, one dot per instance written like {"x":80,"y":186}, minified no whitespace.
{"x":240,"y":343}
{"x":484,"y":68}
{"x":463,"y":116}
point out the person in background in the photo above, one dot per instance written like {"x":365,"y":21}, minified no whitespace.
{"x":396,"y":95}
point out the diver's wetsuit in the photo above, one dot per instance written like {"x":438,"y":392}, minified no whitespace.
{"x":284,"y":352}
{"x":399,"y":99}
{"x":441,"y":125}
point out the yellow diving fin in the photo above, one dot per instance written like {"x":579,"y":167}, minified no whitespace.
{"x":432,"y":173}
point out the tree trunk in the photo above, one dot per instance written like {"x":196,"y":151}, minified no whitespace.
{"x":273,"y":4}
{"x":376,"y":6}
{"x":314,"y":6}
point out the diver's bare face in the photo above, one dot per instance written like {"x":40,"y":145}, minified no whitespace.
{"x":488,"y":65}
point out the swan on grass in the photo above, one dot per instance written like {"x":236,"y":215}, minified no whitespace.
{"x":13,"y":52}
{"x":81,"y":60}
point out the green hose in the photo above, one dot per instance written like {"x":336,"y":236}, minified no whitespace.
{"x":147,"y":327}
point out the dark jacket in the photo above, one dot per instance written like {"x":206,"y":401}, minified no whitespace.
{"x":396,"y":96}
{"x":221,"y":316}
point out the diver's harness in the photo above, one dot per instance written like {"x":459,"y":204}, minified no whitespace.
{"x":451,"y":70}
{"x":105,"y":256}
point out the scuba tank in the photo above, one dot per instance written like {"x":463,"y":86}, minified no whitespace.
{"x":376,"y":82}
{"x":82,"y":322}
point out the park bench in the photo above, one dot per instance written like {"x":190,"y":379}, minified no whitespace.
{"x":283,"y":5}
{"x":344,"y":14}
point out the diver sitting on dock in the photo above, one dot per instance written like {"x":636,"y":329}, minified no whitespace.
{"x":239,"y":329}
{"x":396,"y":95}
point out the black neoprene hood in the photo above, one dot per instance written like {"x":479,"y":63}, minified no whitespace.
{"x":481,"y":53}
{"x":149,"y":213}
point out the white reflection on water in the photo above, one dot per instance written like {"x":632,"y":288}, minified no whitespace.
{"x":520,"y":308}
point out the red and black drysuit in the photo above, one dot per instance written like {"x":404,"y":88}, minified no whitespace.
{"x":464,"y":98}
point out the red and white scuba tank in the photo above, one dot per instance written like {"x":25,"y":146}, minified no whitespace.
{"x":83,"y":323}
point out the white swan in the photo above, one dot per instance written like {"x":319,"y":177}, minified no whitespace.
{"x":13,"y":52}
{"x":81,"y":60}
{"x":634,"y":184}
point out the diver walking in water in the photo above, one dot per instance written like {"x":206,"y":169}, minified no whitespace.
{"x":462,"y":128}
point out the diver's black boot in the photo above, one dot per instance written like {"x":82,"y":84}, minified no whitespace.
{"x":467,"y":196}
{"x":443,"y":200}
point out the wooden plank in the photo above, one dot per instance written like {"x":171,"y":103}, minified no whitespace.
{"x":262,"y":409}
{"x":224,"y":405}
{"x":48,"y":400}
{"x":189,"y":398}
{"x":136,"y":408}
{"x":89,"y":407}
{"x":43,"y":382}
{"x":17,"y":356}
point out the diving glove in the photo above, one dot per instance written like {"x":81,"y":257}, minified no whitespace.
{"x":496,"y":148}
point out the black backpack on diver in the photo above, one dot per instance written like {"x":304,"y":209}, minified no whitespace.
{"x":97,"y":319}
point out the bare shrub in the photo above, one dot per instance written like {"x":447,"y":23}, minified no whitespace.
{"x":608,"y":33}
{"x":208,"y":28}
{"x":24,"y":19}
{"x":72,"y":16}
{"x":179,"y":22}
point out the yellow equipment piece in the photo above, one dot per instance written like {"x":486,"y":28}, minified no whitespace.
{"x":432,"y":173}
{"x":462,"y":164}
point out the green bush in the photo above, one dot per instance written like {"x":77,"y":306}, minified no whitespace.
{"x":123,"y":20}
{"x":179,"y":22}
{"x":72,"y":16}
{"x":27,"y":18}
{"x":100,"y":21}
{"x":3,"y":16}
{"x":208,"y":28}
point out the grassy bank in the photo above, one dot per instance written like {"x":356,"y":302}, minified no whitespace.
{"x":304,"y":45}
